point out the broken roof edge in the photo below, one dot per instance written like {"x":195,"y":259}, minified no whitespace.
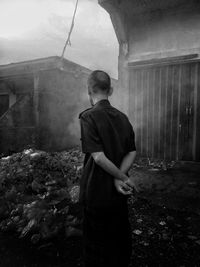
{"x":29,"y":67}
{"x":39,"y":64}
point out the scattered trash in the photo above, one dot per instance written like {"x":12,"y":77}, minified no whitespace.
{"x":150,"y":233}
{"x":197,"y":242}
{"x":154,"y":169}
{"x":192,"y":237}
{"x":192,"y":183}
{"x":28,"y":227}
{"x":162,"y":223}
{"x":154,"y":165}
{"x":165,"y":236}
{"x":74,"y":193}
{"x":71,"y":231}
{"x":146,"y":244}
{"x":45,"y":246}
{"x":35,"y":238}
{"x":170,"y":218}
{"x":137,"y":232}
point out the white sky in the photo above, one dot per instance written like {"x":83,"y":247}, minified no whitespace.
{"x":38,"y":28}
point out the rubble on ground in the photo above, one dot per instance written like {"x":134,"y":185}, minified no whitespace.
{"x":163,"y":236}
{"x":154,"y":164}
{"x":37,"y":190}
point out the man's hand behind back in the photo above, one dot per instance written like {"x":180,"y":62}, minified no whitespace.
{"x":122,"y":187}
{"x":126,"y":187}
{"x":131,"y":183}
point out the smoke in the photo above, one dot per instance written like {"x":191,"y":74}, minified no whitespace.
{"x":38,"y":28}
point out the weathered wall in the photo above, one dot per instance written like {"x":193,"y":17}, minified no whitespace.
{"x":164,"y":33}
{"x":62,"y":96}
{"x":157,"y":34}
{"x":57,"y":96}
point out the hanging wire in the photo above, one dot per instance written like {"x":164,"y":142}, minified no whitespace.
{"x":70,"y":31}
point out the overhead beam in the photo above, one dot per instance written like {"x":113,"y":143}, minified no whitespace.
{"x":117,"y":18}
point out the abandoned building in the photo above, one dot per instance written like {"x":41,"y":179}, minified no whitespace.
{"x":40,"y":101}
{"x":159,"y":74}
{"x":39,"y":104}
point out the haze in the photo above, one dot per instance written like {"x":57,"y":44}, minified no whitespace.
{"x":32,"y":29}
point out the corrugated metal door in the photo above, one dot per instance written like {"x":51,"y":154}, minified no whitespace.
{"x":163,"y":107}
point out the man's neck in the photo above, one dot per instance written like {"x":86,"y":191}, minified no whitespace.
{"x":99,"y":98}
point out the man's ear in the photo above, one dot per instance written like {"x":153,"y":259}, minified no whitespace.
{"x":110,"y":91}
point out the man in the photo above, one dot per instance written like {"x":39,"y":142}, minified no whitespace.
{"x":108,"y":143}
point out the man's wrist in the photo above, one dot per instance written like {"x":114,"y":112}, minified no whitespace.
{"x":123,"y":177}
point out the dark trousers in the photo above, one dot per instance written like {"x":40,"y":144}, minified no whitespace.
{"x":106,"y":238}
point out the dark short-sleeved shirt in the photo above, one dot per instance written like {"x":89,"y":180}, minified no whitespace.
{"x":103,"y":128}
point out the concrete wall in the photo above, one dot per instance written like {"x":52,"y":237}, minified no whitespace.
{"x":157,"y":34}
{"x":57,"y":94}
{"x":164,"y":33}
{"x":62,"y":96}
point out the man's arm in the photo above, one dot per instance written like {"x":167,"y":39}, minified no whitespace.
{"x":122,"y":182}
{"x":125,"y":167}
{"x":127,"y":162}
{"x":108,"y":166}
{"x":121,"y":179}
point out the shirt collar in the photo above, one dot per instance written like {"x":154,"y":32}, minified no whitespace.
{"x":102,"y":103}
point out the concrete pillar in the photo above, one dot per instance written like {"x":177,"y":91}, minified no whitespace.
{"x":36,"y":98}
{"x":123,"y":78}
{"x":120,"y":27}
{"x":36,"y":108}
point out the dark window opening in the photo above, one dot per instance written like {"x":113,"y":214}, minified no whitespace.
{"x":4,"y":104}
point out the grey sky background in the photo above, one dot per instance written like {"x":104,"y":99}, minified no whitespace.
{"x":32,"y":29}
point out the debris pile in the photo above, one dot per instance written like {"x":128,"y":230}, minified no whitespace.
{"x":163,"y":236}
{"x":37,"y":193}
{"x":154,"y":164}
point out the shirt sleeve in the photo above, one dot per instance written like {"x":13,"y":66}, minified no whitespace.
{"x":89,"y":136}
{"x":132,"y":146}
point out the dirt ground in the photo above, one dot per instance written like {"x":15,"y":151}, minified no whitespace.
{"x":165,"y":219}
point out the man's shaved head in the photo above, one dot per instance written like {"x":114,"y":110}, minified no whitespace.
{"x":99,"y":81}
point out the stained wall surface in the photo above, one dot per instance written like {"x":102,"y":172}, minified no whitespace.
{"x":164,"y":33}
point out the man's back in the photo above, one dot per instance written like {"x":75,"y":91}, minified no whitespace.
{"x":107,"y":140}
{"x":106,"y":129}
